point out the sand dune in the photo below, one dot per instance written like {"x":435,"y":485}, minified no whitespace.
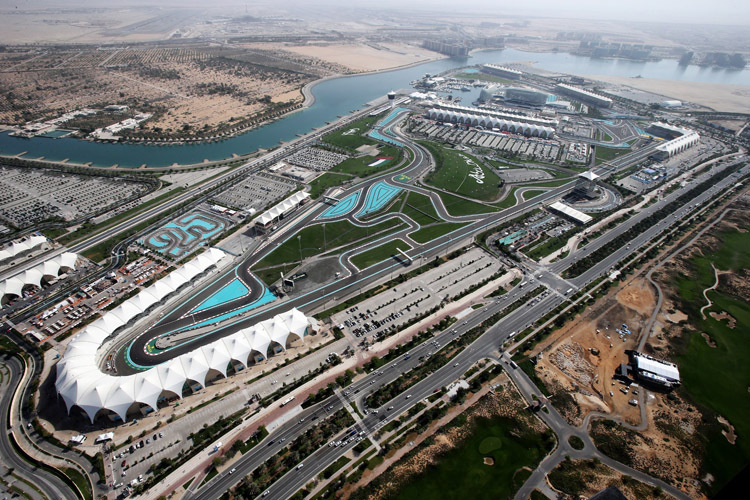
{"x":721,"y":97}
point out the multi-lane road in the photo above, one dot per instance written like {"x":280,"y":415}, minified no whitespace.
{"x":34,"y":482}
{"x":483,"y":347}
{"x":354,"y":280}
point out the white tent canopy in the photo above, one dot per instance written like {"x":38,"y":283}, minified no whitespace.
{"x":80,"y":383}
{"x":20,"y":247}
{"x":51,"y":268}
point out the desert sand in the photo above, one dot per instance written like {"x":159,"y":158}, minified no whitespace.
{"x":721,"y":97}
{"x":360,"y":57}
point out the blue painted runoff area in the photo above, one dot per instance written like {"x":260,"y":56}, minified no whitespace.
{"x":385,"y":121}
{"x":231,"y":291}
{"x":157,"y":243}
{"x":470,"y":70}
{"x":343,"y":207}
{"x":377,"y":135}
{"x":265,"y":299}
{"x":551,"y":98}
{"x":378,"y":195}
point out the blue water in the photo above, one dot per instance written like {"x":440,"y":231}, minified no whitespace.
{"x":377,"y":196}
{"x":471,"y":70}
{"x":231,"y":291}
{"x":342,"y":207}
{"x":340,"y":96}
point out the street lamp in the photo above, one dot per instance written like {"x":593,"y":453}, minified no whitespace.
{"x":299,"y":240}
{"x":324,"y":237}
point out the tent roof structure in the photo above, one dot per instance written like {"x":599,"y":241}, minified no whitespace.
{"x":80,"y":383}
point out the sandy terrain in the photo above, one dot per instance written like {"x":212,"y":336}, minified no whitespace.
{"x":569,"y":362}
{"x":721,"y":97}
{"x":361,"y":57}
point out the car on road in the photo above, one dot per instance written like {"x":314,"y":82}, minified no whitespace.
{"x":300,"y":466}
{"x":408,"y":396}
{"x":232,"y":471}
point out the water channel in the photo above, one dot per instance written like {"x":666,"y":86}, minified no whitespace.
{"x":338,"y":97}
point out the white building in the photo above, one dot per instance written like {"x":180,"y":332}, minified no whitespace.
{"x":585,"y":95}
{"x":491,"y":122}
{"x":80,"y":382}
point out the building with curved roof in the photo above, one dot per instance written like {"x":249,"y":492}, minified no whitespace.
{"x":80,"y":383}
{"x":20,"y":248}
{"x":48,"y":270}
{"x":491,"y":122}
{"x":528,"y":97}
{"x":585,"y":95}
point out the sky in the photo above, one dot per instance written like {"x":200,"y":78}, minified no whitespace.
{"x":684,"y":11}
{"x":729,"y":12}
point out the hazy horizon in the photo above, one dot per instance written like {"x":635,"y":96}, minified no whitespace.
{"x":724,"y":12}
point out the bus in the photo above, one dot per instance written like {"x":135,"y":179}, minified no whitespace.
{"x":287,"y":401}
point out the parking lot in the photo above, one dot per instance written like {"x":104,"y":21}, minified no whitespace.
{"x":28,"y":196}
{"x":255,"y":192}
{"x":373,"y":317}
{"x":317,"y":159}
{"x":532,"y":147}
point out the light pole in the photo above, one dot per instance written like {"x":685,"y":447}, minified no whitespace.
{"x":299,"y":240}
{"x":324,"y":237}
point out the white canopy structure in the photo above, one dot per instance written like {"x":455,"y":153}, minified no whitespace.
{"x":21,"y":247}
{"x":80,"y":383}
{"x":491,"y":122}
{"x":50,"y":269}
{"x":282,"y":208}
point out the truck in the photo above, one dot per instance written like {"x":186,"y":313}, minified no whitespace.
{"x":523,"y":283}
{"x":568,"y":291}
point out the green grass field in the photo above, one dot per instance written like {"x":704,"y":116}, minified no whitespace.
{"x":457,"y":206}
{"x":509,"y":200}
{"x":419,"y":207}
{"x":429,"y":233}
{"x":461,"y":173}
{"x":312,"y":241}
{"x":607,"y":154}
{"x":547,"y":246}
{"x":556,"y":183}
{"x":373,"y":256}
{"x":718,"y":377}
{"x":485,"y":77}
{"x":532,"y":193}
{"x":325,"y":181}
{"x":461,"y":473}
{"x":359,"y":166}
{"x":352,"y":136}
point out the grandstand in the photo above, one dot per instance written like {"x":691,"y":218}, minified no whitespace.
{"x":488,"y":121}
{"x":680,"y":139}
{"x":584,"y":95}
{"x":502,"y":71}
{"x":518,"y":116}
{"x":267,"y":219}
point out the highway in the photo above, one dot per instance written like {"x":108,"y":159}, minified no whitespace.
{"x":481,"y":348}
{"x":48,"y":484}
{"x":205,"y":191}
